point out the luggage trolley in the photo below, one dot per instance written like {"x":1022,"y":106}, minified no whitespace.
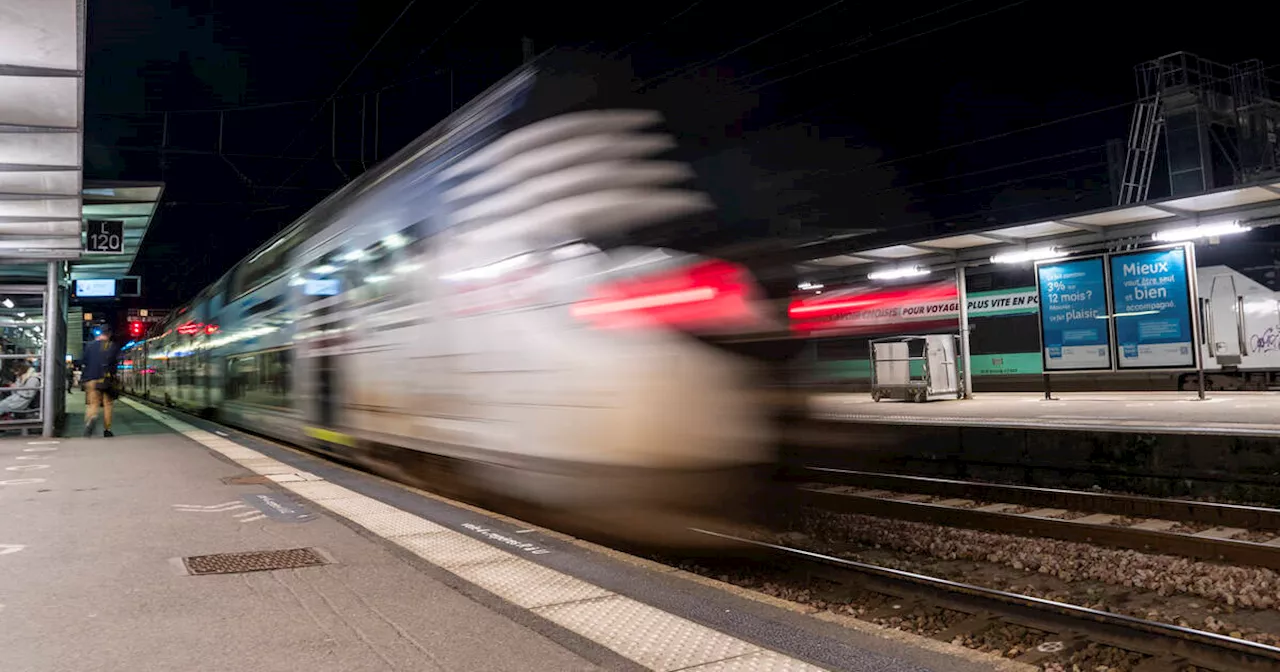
{"x":936,"y":376}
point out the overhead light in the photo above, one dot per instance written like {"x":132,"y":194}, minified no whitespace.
{"x":353,"y":255}
{"x":1023,"y":256}
{"x":324,"y":269}
{"x":807,"y":286}
{"x":8,"y":303}
{"x":895,"y":273}
{"x":22,"y":314}
{"x":395,"y":241}
{"x":1200,"y":231}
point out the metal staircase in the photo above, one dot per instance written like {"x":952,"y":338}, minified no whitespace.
{"x":1140,"y":157}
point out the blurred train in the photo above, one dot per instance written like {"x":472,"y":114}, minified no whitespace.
{"x":1240,"y":339}
{"x":479,"y":315}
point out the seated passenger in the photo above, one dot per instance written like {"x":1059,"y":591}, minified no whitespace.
{"x":21,"y":400}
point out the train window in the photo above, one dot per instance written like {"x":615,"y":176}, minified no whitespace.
{"x":261,"y":378}
{"x":266,"y":264}
{"x":376,"y":278}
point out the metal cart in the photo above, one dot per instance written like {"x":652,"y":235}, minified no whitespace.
{"x":937,"y":375}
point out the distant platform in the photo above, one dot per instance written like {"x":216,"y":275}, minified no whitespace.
{"x":1222,"y":413}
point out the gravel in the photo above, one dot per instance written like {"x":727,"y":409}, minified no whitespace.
{"x":926,"y":621}
{"x":1166,"y":575}
{"x":1097,"y":658}
{"x":1004,"y":639}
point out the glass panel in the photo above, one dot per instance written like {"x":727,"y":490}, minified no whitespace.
{"x":260,"y":378}
{"x":21,"y":358}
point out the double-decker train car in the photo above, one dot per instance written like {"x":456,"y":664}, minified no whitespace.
{"x":477,"y":315}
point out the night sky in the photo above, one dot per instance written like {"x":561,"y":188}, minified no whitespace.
{"x":880,"y":111}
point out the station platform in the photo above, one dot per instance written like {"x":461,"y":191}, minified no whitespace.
{"x":1251,"y":414}
{"x":182,"y":545}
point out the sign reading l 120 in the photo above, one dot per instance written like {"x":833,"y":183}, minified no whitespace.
{"x":1151,"y":297}
{"x":1073,"y":315}
{"x":104,"y":236}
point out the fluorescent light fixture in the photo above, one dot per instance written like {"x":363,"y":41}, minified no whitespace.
{"x":1200,"y":231}
{"x":8,"y":303}
{"x":895,"y":273}
{"x":395,"y":241}
{"x":1139,"y":313}
{"x":353,"y":255}
{"x":806,"y":286}
{"x":1023,"y":256}
{"x":326,"y":269}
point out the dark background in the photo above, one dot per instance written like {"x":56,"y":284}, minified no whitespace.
{"x":885,"y":114}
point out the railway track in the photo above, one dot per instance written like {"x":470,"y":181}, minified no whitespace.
{"x":1059,"y":628}
{"x":1231,"y":533}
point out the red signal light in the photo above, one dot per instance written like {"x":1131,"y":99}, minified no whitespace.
{"x":136,"y":329}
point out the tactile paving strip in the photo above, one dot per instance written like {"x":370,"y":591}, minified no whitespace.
{"x":649,"y":636}
{"x":354,"y":507}
{"x":529,"y":585}
{"x":451,"y":551}
{"x":398,"y":524}
{"x":319,"y":491}
{"x":253,"y":561}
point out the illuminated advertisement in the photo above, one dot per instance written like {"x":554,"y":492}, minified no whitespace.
{"x":1074,"y":332}
{"x":1151,"y":297}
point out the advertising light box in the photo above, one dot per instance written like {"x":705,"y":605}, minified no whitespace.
{"x":1074,"y":330}
{"x":1152,"y":304}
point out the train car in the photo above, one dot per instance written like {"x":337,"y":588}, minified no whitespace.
{"x":476,"y":315}
{"x":1240,"y":339}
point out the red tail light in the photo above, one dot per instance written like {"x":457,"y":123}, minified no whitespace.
{"x":710,"y":295}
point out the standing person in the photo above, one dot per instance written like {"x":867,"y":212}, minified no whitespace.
{"x":99,"y":373}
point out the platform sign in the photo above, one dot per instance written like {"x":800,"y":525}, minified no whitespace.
{"x":104,"y":236}
{"x":1152,"y":303}
{"x":1074,"y":330}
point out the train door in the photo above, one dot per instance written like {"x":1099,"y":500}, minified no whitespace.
{"x":1225,"y":321}
{"x":317,"y":354}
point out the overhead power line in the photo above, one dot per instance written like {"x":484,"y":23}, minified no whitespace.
{"x":676,"y":72}
{"x":908,"y":38}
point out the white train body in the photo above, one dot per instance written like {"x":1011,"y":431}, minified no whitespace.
{"x":456,"y":304}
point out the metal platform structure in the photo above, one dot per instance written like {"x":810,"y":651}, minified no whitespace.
{"x":41,"y":145}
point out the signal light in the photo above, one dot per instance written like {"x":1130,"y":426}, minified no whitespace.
{"x":136,"y":329}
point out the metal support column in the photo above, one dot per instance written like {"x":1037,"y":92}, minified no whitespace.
{"x":51,"y":389}
{"x":962,"y":295}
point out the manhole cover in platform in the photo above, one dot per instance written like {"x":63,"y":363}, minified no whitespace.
{"x":246,"y":480}
{"x":254,"y":561}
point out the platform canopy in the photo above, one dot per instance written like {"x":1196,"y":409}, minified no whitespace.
{"x":133,"y":203}
{"x":1255,"y":205}
{"x":41,"y":129}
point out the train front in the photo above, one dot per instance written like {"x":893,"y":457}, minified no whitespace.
{"x":640,"y":414}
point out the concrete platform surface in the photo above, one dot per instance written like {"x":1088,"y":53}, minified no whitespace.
{"x":1225,"y":413}
{"x":88,"y":533}
{"x":96,"y":575}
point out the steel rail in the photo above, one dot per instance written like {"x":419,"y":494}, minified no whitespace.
{"x":1202,"y":648}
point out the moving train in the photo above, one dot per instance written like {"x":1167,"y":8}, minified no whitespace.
{"x":1240,"y":339}
{"x":479,"y":315}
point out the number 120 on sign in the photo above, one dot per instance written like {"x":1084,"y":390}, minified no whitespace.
{"x":105,"y":236}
